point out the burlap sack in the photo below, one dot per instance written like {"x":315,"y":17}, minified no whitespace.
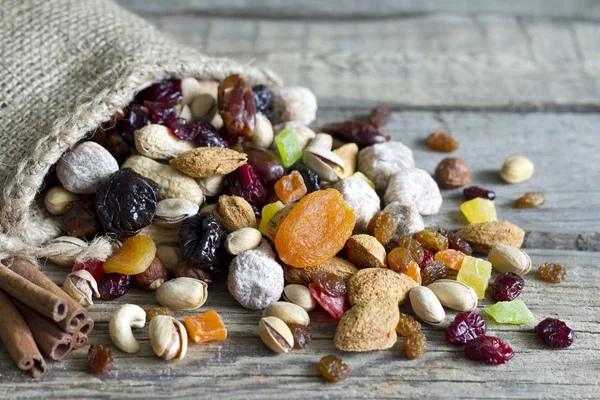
{"x":65,"y":67}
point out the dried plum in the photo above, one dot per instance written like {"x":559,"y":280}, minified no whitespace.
{"x":126,"y":203}
{"x":355,"y":132}
{"x":202,"y":238}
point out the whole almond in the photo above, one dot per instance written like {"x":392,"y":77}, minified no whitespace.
{"x":509,"y":259}
{"x":365,"y":251}
{"x":426,"y":305}
{"x":203,"y":162}
{"x":455,"y":295}
{"x":378,"y":283}
{"x":516,"y":169}
{"x":235,"y":213}
{"x":483,"y":236}
{"x":368,"y":326}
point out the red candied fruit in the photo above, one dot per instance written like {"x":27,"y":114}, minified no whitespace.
{"x":489,"y":349}
{"x":92,"y":265}
{"x":336,"y":306}
{"x":112,"y":286}
{"x":507,"y":287}
{"x":465,"y":327}
{"x":555,"y":333}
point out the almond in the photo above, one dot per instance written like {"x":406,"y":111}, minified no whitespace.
{"x":349,"y":154}
{"x":378,"y":283}
{"x":204,"y":162}
{"x":368,"y":326}
{"x":365,"y":251}
{"x":485,"y":235}
{"x":336,"y":266}
{"x":235,"y":213}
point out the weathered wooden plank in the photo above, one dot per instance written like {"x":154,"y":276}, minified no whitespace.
{"x":439,"y":60}
{"x":589,"y":9}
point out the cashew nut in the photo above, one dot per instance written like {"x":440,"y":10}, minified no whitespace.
{"x":126,"y":317}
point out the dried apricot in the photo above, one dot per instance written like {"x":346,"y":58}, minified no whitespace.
{"x":414,"y":272}
{"x":290,"y":188}
{"x":134,"y":257}
{"x":451,"y":258}
{"x":315,"y":230}
{"x":205,"y":327}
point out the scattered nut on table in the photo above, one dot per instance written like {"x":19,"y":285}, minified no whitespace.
{"x":168,"y":337}
{"x":124,"y":318}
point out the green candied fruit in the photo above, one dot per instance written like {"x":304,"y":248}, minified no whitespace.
{"x":510,"y":312}
{"x":267,"y":213}
{"x":288,"y":146}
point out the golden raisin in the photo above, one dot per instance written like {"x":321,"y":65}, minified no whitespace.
{"x":383,"y":227}
{"x":407,"y":325}
{"x":400,"y":260}
{"x":315,"y":230}
{"x":432,"y":240}
{"x":333,"y":369}
{"x":290,"y":188}
{"x":414,"y":272}
{"x":441,"y":141}
{"x":134,"y":257}
{"x":153,"y":312}
{"x":302,"y":336}
{"x":205,"y":327}
{"x":530,"y":200}
{"x":415,"y":249}
{"x":100,"y":359}
{"x":451,"y":258}
{"x":552,"y":272}
{"x":415,"y":345}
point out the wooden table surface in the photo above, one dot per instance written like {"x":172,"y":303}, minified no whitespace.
{"x":503,"y":78}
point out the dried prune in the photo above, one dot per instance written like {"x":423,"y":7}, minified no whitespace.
{"x":507,"y":287}
{"x":465,"y":327}
{"x":330,"y":283}
{"x":441,"y":141}
{"x":244,"y":182}
{"x":356,"y":132}
{"x":415,"y":345}
{"x":302,"y":336}
{"x":333,"y":369}
{"x":237,"y":107}
{"x":100,"y":359}
{"x":311,"y":179}
{"x":555,"y":333}
{"x":433,"y":271}
{"x":263,"y":99}
{"x":112,"y":286}
{"x":489,"y":349}
{"x":473,"y":192}
{"x":136,"y":117}
{"x":202,"y":238}
{"x":552,"y":272}
{"x":81,"y":220}
{"x":380,"y":116}
{"x":530,"y":200}
{"x":126,"y":203}
{"x":164,"y":91}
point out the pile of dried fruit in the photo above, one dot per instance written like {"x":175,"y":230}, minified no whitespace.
{"x":197,"y":181}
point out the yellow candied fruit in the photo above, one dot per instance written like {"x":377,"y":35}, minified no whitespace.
{"x":267,"y":213}
{"x":365,"y":178}
{"x":479,"y":210}
{"x":475,"y":273}
{"x":134,"y":257}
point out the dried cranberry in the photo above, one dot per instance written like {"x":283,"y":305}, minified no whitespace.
{"x":263,"y":98}
{"x":136,"y":117}
{"x":161,"y":113}
{"x":202,"y":238}
{"x":207,"y":135}
{"x":507,"y":287}
{"x":311,"y":179}
{"x":112,"y":286}
{"x":356,"y":132}
{"x":475,"y":191}
{"x":244,"y":182}
{"x":336,"y":306}
{"x":92,"y":265}
{"x":489,"y":349}
{"x":465,"y":327}
{"x":555,"y":333}
{"x":165,"y":91}
{"x":183,"y":129}
{"x":427,"y":258}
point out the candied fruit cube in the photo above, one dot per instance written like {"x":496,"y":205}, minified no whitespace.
{"x":475,"y":273}
{"x":414,"y":272}
{"x":134,"y":257}
{"x":290,"y":188}
{"x":267,"y":213}
{"x":205,"y":327}
{"x":451,"y":258}
{"x":289,"y":147}
{"x":365,"y":178}
{"x":479,"y":210}
{"x":510,"y":312}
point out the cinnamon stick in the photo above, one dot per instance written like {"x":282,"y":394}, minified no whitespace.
{"x":76,"y":315}
{"x":80,"y":339}
{"x":18,"y":339}
{"x":52,"y":340}
{"x":39,"y":299}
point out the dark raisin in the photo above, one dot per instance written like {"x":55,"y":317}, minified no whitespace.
{"x":81,"y":220}
{"x":112,"y":286}
{"x":161,"y":113}
{"x":333,"y":369}
{"x":263,"y":98}
{"x":237,"y":107}
{"x":311,"y":179}
{"x":330,"y":283}
{"x":552,"y":272}
{"x":302,"y":336}
{"x":356,"y":132}
{"x":202,"y":238}
{"x":266,"y":164}
{"x":380,"y":116}
{"x":136,"y":117}
{"x":244,"y":182}
{"x":456,"y":243}
{"x":415,"y":345}
{"x":184,"y":270}
{"x":100,"y":359}
{"x":507,"y":287}
{"x":473,"y":192}
{"x":555,"y":333}
{"x":489,"y":349}
{"x":465,"y":327}
{"x":126,"y":203}
{"x":164,"y":91}
{"x":433,"y":271}
{"x":114,"y":143}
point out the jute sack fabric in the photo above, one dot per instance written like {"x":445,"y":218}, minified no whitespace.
{"x":65,"y":67}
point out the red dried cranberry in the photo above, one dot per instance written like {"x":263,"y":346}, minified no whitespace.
{"x":427,"y":258}
{"x":165,"y":91}
{"x":336,"y":306}
{"x":161,"y":113}
{"x":207,"y":135}
{"x":507,"y":287}
{"x":112,"y":286}
{"x":465,"y":327}
{"x":244,"y":182}
{"x":136,"y":117}
{"x":93,"y":266}
{"x":555,"y":333}
{"x":489,"y":349}
{"x":183,"y":129}
{"x":475,"y":191}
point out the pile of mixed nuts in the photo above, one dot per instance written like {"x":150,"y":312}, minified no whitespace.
{"x":197,"y":181}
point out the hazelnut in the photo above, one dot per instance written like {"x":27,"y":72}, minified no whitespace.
{"x":184,"y":270}
{"x":151,"y":278}
{"x":452,"y":172}
{"x":58,"y":199}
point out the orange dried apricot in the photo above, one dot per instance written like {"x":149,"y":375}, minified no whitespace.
{"x":414,"y":272}
{"x":290,"y":188}
{"x":315,"y":230}
{"x":451,"y":258}
{"x":205,"y":327}
{"x":134,"y":257}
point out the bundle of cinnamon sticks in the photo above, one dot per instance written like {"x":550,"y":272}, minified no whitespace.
{"x":37,"y":315}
